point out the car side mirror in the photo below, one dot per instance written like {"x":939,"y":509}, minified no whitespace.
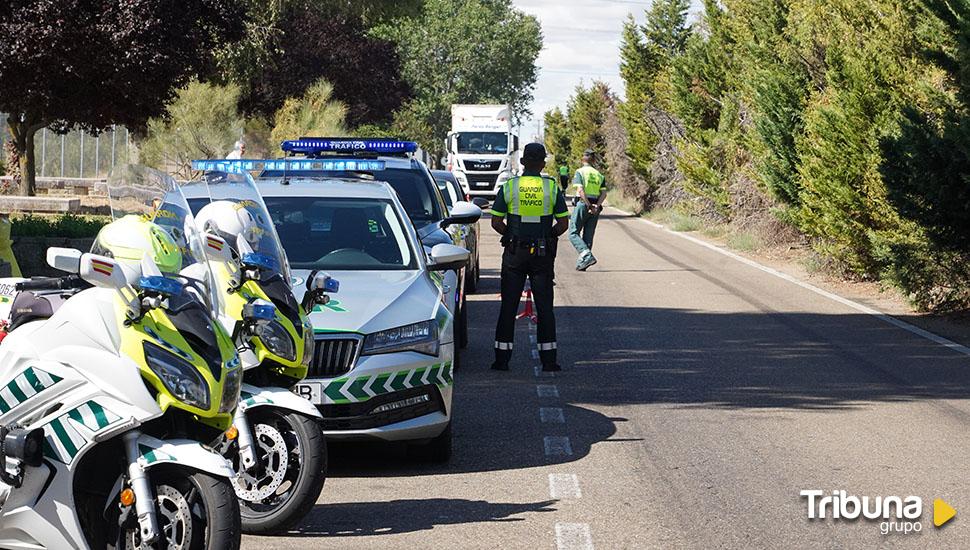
{"x":64,"y":259}
{"x":480,"y":202}
{"x":462,"y":213}
{"x":448,"y":257}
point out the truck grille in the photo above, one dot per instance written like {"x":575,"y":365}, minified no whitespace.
{"x":482,"y":165}
{"x":481,"y":181}
{"x":334,"y":356}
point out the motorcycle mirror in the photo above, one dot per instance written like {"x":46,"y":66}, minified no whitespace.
{"x":216,"y":248}
{"x":102,"y":271}
{"x":64,"y":259}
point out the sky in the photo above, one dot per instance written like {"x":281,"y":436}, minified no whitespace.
{"x":581,"y":43}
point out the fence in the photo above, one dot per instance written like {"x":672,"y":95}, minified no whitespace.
{"x":76,"y":154}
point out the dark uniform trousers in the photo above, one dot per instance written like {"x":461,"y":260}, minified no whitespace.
{"x":517,"y":265}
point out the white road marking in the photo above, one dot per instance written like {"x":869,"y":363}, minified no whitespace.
{"x":959,"y":348}
{"x":573,"y":536}
{"x":547,"y":390}
{"x":562,"y":486}
{"x":557,"y":445}
{"x":551,"y":415}
{"x":543,"y":373}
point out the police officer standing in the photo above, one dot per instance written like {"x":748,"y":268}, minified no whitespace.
{"x":564,"y":177}
{"x":530,"y":213}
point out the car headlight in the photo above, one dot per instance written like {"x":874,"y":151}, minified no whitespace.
{"x":277,"y":340}
{"x":309,"y":342}
{"x":182,"y":379}
{"x":230,"y":389}
{"x":420,"y":337}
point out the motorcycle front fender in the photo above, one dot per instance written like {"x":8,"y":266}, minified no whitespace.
{"x":182,"y":452}
{"x":254,"y":396}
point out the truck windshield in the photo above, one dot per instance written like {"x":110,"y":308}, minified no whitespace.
{"x":483,"y":143}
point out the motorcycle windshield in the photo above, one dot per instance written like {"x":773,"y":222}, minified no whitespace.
{"x":240,"y":189}
{"x":137,"y":194}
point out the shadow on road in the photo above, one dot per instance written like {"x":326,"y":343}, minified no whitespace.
{"x":355,"y":519}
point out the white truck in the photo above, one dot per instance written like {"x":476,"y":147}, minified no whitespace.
{"x":482,"y":150}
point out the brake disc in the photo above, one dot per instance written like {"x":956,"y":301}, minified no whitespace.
{"x":273,"y":460}
{"x":174,"y":522}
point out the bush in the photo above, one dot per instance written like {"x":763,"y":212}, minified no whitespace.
{"x":68,"y":225}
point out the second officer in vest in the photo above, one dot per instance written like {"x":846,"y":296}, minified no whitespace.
{"x":530,"y":213}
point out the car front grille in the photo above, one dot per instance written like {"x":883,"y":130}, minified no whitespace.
{"x":334,"y":356}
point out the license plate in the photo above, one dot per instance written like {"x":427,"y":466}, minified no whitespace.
{"x":311,"y":391}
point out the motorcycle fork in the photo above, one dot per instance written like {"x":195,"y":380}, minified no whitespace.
{"x":247,"y":452}
{"x":144,"y":497}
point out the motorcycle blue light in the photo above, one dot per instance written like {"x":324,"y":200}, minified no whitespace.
{"x":288,"y":165}
{"x":162,"y":285}
{"x":314,"y":146}
{"x":332,"y":286}
{"x":259,"y":311}
{"x":262,"y":261}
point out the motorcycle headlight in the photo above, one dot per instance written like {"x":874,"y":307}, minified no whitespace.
{"x":230,"y":389}
{"x":182,"y":379}
{"x":420,"y":337}
{"x":308,"y":345}
{"x":277,"y":340}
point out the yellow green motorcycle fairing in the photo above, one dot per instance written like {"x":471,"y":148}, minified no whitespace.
{"x":187,"y":335}
{"x":289,"y":315}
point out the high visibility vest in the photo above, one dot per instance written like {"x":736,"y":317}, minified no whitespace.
{"x":530,"y":198}
{"x":593,"y":181}
{"x":564,"y":170}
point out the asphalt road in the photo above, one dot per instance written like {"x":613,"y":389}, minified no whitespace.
{"x":700,"y":396}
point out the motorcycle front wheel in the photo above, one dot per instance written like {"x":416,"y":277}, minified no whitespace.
{"x":195,"y":511}
{"x":291,"y":455}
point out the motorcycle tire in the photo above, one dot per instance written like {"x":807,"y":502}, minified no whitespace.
{"x":306,"y":447}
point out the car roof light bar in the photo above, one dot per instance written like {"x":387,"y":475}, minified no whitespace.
{"x":288,"y":165}
{"x":314,"y":146}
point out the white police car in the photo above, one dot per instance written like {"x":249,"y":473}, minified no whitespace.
{"x":383,"y":365}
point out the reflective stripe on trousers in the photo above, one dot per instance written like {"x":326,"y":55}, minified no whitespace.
{"x":545,"y":346}
{"x":503,"y":345}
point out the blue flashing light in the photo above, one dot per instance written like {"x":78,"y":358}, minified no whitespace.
{"x":315,"y":146}
{"x":332,"y":285}
{"x":162,"y":285}
{"x":260,"y":310}
{"x":288,"y":165}
{"x":261,"y":261}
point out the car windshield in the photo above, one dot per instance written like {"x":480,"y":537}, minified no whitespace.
{"x":341,"y":233}
{"x":483,"y":143}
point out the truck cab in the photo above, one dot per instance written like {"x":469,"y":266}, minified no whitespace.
{"x":483,"y":153}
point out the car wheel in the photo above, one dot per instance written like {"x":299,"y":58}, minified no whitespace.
{"x":438,"y":450}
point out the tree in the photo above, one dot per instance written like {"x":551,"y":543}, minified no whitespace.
{"x":365,"y":71}
{"x":557,"y":136}
{"x":202,"y":122}
{"x":666,"y":27}
{"x":314,"y":114}
{"x":447,"y":60}
{"x":586,"y":112}
{"x":95,"y":63}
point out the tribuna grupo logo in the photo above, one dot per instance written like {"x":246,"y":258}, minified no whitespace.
{"x":895,"y":514}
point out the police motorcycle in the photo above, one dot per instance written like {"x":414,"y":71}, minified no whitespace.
{"x":104,"y":402}
{"x":279,"y":451}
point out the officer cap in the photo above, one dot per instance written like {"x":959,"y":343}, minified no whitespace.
{"x":533,"y":151}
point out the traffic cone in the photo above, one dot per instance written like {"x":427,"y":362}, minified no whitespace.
{"x":528,"y":310}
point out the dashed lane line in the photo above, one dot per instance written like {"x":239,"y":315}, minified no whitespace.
{"x":573,"y":536}
{"x":557,"y":445}
{"x":551,"y":415}
{"x":564,"y":486}
{"x":547,"y":390}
